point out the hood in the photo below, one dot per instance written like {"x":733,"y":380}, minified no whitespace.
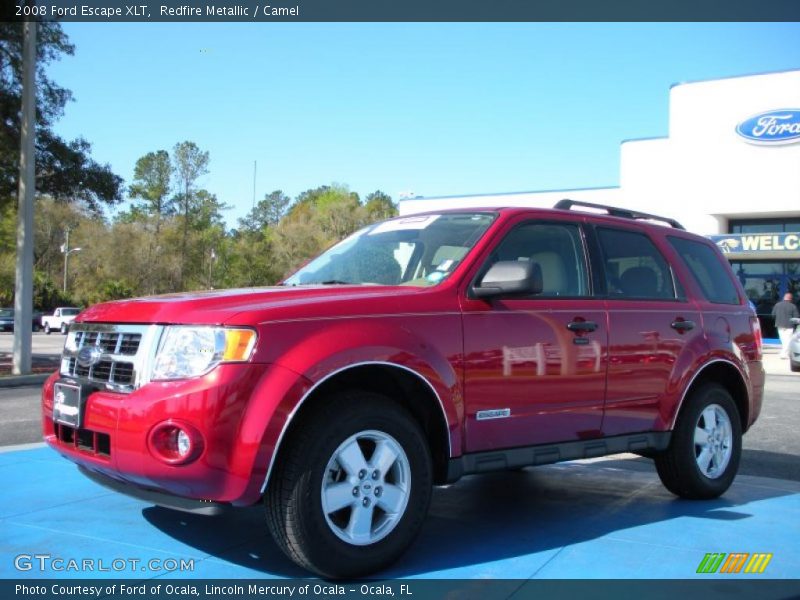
{"x":251,"y":305}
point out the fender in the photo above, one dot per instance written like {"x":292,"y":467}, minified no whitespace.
{"x":310,"y":391}
{"x":691,"y":360}
{"x":318,"y":350}
{"x":705,"y":365}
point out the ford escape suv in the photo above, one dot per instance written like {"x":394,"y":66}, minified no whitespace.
{"x":414,"y":352}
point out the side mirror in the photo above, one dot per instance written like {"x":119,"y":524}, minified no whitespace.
{"x":510,"y":278}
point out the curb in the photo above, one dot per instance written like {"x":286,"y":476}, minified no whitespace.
{"x":23,"y":380}
{"x":18,"y":447}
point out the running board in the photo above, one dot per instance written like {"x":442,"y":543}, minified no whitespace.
{"x":545,"y":454}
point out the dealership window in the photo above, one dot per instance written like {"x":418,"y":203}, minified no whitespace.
{"x":764,"y":225}
{"x":765,"y":282}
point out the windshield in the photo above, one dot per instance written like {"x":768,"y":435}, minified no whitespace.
{"x":421,"y":251}
{"x":6,"y":313}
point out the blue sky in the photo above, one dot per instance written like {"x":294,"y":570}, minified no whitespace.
{"x":438,"y":109}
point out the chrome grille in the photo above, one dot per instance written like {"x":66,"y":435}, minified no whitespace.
{"x":126,"y":352}
{"x":109,"y":342}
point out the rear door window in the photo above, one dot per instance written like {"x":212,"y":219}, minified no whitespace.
{"x":634,"y":268}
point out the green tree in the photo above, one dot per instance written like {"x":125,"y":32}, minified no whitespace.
{"x":64,"y":169}
{"x":189,"y":164}
{"x":114,"y":289}
{"x":333,"y":208}
{"x":49,"y":230}
{"x":207,"y":241}
{"x":249,"y":261}
{"x":267,"y":213}
{"x":295,"y":242}
{"x":47,"y":295}
{"x":379,"y":206}
{"x":151,"y":183}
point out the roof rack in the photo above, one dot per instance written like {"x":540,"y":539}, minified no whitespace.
{"x":567,"y":204}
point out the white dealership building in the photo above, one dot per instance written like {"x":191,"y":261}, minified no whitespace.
{"x":729,"y":169}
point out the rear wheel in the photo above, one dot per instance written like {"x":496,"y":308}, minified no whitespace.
{"x":64,"y":328}
{"x":47,"y":328}
{"x":794,"y":366}
{"x":352,"y":487}
{"x":703,"y":456}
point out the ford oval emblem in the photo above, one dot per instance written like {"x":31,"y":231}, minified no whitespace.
{"x":772,"y":128}
{"x":89,"y":356}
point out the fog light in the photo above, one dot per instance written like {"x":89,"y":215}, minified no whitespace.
{"x":184,"y":443}
{"x":175,"y":442}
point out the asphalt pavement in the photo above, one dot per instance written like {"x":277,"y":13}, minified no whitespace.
{"x":46,"y":352}
{"x":43,"y":344}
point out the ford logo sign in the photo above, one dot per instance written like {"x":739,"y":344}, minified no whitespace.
{"x":89,"y":356}
{"x":774,"y":127}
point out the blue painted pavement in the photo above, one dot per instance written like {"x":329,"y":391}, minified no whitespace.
{"x":592,"y":519}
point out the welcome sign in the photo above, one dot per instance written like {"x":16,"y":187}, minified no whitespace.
{"x":774,"y":127}
{"x":733,"y":243}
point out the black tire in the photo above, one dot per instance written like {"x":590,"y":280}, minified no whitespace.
{"x":64,"y":329}
{"x":678,"y":466}
{"x":294,"y":504}
{"x":47,"y":328}
{"x":794,"y":366}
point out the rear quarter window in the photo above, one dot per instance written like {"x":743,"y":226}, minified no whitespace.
{"x":707,"y":269}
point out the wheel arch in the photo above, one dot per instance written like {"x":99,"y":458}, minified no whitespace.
{"x":400,"y":384}
{"x":730,"y":377}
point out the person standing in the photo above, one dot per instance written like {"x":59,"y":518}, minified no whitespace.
{"x":784,"y":311}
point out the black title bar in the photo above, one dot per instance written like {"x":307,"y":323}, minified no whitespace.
{"x":265,"y":11}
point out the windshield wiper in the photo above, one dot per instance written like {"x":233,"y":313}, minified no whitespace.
{"x":327,"y":282}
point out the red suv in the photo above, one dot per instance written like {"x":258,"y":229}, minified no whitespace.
{"x":416,"y":351}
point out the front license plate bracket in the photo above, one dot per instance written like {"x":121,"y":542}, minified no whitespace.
{"x":69,"y":402}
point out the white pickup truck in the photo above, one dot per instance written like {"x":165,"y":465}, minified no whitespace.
{"x":60,"y":319}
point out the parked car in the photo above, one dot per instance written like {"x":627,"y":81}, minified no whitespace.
{"x":794,"y":349}
{"x":60,"y":319}
{"x":7,"y":319}
{"x":414,"y":352}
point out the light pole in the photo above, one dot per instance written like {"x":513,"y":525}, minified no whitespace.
{"x":211,"y":260}
{"x":66,"y":250}
{"x":23,"y":281}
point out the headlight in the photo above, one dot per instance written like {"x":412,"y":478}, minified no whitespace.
{"x":192,"y":351}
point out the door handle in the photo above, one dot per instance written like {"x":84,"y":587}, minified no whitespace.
{"x":581,"y":326}
{"x":681,"y":325}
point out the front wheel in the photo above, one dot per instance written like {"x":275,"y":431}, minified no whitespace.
{"x":703,"y":456}
{"x":351,"y":489}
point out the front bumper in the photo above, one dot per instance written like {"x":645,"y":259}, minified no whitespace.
{"x":200,"y":507}
{"x":233,"y":407}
